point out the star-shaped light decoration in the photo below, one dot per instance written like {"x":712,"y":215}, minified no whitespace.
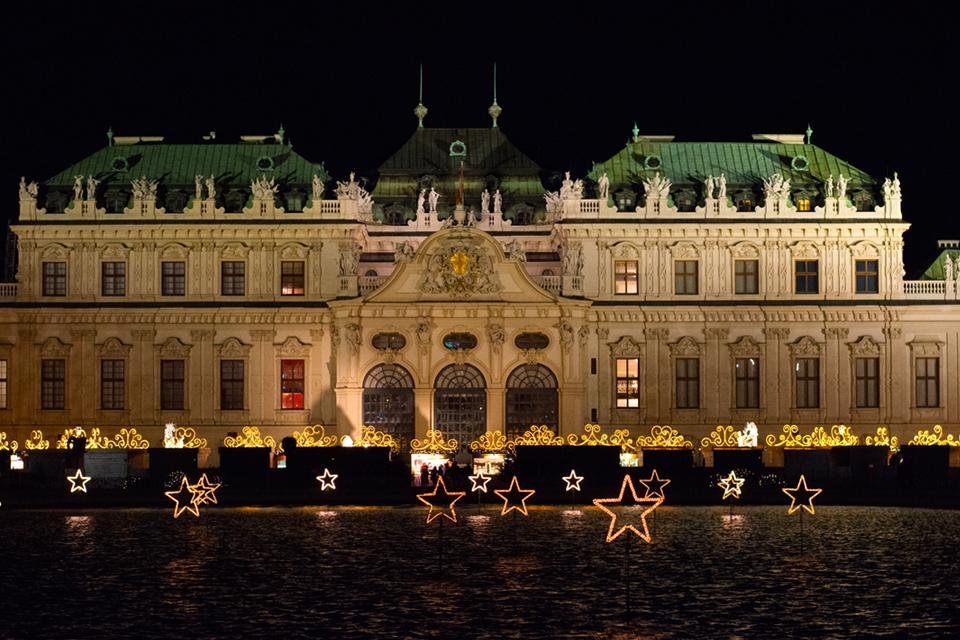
{"x":327,"y":480}
{"x":479,"y":482}
{"x":441,"y":501}
{"x":573,"y":480}
{"x":731,"y":485}
{"x":647,"y":505}
{"x":78,"y":482}
{"x":802,"y":497}
{"x":514,"y":498}
{"x":654,"y":486}
{"x":184,"y":499}
{"x":204,"y":491}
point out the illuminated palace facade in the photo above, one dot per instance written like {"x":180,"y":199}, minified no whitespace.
{"x":462,"y":287}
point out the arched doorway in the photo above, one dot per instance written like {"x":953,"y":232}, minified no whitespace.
{"x":388,"y":402}
{"x":532,"y":399}
{"x":460,"y":403}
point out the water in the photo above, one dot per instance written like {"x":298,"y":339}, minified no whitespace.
{"x":359,"y":572}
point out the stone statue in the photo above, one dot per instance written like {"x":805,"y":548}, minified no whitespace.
{"x":143,"y":189}
{"x":566,"y":334}
{"x":403,"y":252}
{"x":485,"y":202}
{"x":657,"y":188}
{"x":514,"y":251}
{"x":829,"y":187}
{"x":496,"y":335}
{"x":948,"y":268}
{"x":263,"y":188}
{"x":211,"y":188}
{"x":722,"y":188}
{"x":433,"y":197}
{"x":420,"y":199}
{"x":364,"y":201}
{"x":887,"y":190}
{"x":317,"y":187}
{"x":566,"y":188}
{"x":198,"y":187}
{"x":497,"y":202}
{"x":348,"y":190}
{"x":554,"y":202}
{"x":708,"y":187}
{"x":776,"y":187}
{"x":349,"y":259}
{"x":603,"y":187}
{"x":28,"y":191}
{"x":351,"y":334}
{"x":895,"y":191}
{"x":573,"y":260}
{"x":842,"y":188}
{"x":92,"y":188}
{"x":78,"y":188}
{"x":423,"y":333}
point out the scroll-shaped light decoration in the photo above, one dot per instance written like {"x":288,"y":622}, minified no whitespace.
{"x":7,"y":445}
{"x":441,"y":501}
{"x":654,"y":486}
{"x":315,"y":436}
{"x":573,"y":480}
{"x":373,"y":437}
{"x":479,"y":482}
{"x":883,"y":439}
{"x":721,"y":436}
{"x":78,"y":481}
{"x":434,"y":442}
{"x":639,"y":525}
{"x":489,"y":442}
{"x":924,"y":437}
{"x":536,"y":436}
{"x":801,"y":497}
{"x":664,"y":436}
{"x":128,"y":439}
{"x":840,"y":435}
{"x":592,"y":436}
{"x":327,"y":480}
{"x":731,"y":485}
{"x":250,"y":438}
{"x":514,"y":498}
{"x":36,"y":441}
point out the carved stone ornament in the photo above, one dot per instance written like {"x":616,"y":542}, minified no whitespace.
{"x":625,"y":347}
{"x":54,"y":251}
{"x":235,"y":250}
{"x":583,"y":333}
{"x":657,"y":333}
{"x":745,"y":250}
{"x":293,"y":347}
{"x":864,"y":347}
{"x":114,"y":251}
{"x":805,"y":347}
{"x":173,"y":348}
{"x":685,"y":346}
{"x":460,"y":270}
{"x":841,"y":333}
{"x":294,"y":251}
{"x":625,"y":250}
{"x":351,"y":334}
{"x":804,"y":250}
{"x":864,"y":249}
{"x":925,"y":348}
{"x":566,"y":334}
{"x":745,"y":347}
{"x":532,"y":356}
{"x":777,"y":333}
{"x":113,"y":348}
{"x":496,"y":335}
{"x":603,"y":332}
{"x":55,"y":348}
{"x":174,"y":250}
{"x":716,"y":333}
{"x":684,"y":251}
{"x":233,"y":348}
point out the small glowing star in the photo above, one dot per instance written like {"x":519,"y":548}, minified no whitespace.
{"x":184,"y":499}
{"x":654,"y":486}
{"x":731,"y":485}
{"x":327,"y":480}
{"x":802,"y":497}
{"x":441,"y":501}
{"x":479,"y":482}
{"x":647,"y":503}
{"x":514,"y":498}
{"x":573,"y":480}
{"x":78,"y":482}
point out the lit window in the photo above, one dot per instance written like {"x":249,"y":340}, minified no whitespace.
{"x":804,"y":203}
{"x":807,"y":374}
{"x":291,"y":278}
{"x":628,"y":383}
{"x":54,"y":278}
{"x":291,"y":384}
{"x":867,"y":276}
{"x":928,"y":382}
{"x":626,"y":277}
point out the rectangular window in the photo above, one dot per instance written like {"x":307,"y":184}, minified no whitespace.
{"x":626,"y":276}
{"x":685,"y":277}
{"x":174,"y":281}
{"x":748,"y":382}
{"x":291,"y":278}
{"x":291,"y":384}
{"x":111,"y":384}
{"x":113,"y":278}
{"x":807,"y":373}
{"x":867,"y":375}
{"x":171,"y":385}
{"x":928,"y":382}
{"x":688,"y":383}
{"x":628,"y":383}
{"x":233,"y":278}
{"x":3,"y":384}
{"x":808,"y":276}
{"x":868,"y":276}
{"x":804,"y":203}
{"x":746,"y":276}
{"x":53,"y":374}
{"x":54,"y":278}
{"x":231,"y":385}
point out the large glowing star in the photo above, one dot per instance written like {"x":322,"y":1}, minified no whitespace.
{"x":78,"y":482}
{"x":514,"y":498}
{"x":204,"y":491}
{"x":184,"y":499}
{"x":441,"y":501}
{"x":573,"y":480}
{"x":802,"y":497}
{"x":731,"y":485}
{"x":642,"y":508}
{"x":479,"y":482}
{"x":327,"y":480}
{"x":654,"y":486}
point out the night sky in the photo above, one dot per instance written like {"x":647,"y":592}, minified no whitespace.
{"x":872,"y":80}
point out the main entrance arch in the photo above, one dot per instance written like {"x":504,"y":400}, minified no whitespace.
{"x":532,"y":399}
{"x":388,"y":402}
{"x":460,"y":402}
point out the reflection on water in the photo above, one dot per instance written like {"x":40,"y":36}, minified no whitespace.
{"x":361,"y":572}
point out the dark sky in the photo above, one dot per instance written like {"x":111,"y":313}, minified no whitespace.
{"x":873,"y":80}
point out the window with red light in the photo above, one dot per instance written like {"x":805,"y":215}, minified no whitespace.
{"x":291,"y":384}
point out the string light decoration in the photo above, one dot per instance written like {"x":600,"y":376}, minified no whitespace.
{"x":489,"y":442}
{"x":654,"y":486}
{"x":328,"y":480}
{"x":94,"y":439}
{"x":78,"y":481}
{"x":36,"y":442}
{"x":573,"y":480}
{"x":128,"y":439}
{"x":731,"y":485}
{"x":592,"y":436}
{"x":249,"y":438}
{"x":514,"y":498}
{"x":722,"y":436}
{"x":479,"y":482}
{"x":536,"y":436}
{"x":665,"y":437}
{"x":184,"y":499}
{"x":924,"y":437}
{"x":204,"y":492}
{"x":840,"y":435}
{"x":646,"y":504}
{"x":801,"y":497}
{"x":188,"y":435}
{"x":6,"y":445}
{"x":434,"y":443}
{"x":373,"y":437}
{"x":441,"y":501}
{"x":314,"y":436}
{"x":883,"y":439}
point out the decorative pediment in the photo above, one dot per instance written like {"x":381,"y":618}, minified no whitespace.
{"x":235,"y":250}
{"x":864,"y":249}
{"x":685,"y":347}
{"x":113,"y":348}
{"x":804,"y":250}
{"x":174,"y":250}
{"x":53,"y":347}
{"x":114,"y":251}
{"x":461,"y":270}
{"x":294,"y":251}
{"x":625,"y":347}
{"x":745,"y":347}
{"x":745,"y":250}
{"x":625,"y":250}
{"x":54,"y":251}
{"x":684,"y":251}
{"x":173,"y":348}
{"x":805,"y":347}
{"x":233,"y":348}
{"x":293,"y":347}
{"x":925,"y":347}
{"x":864,"y":347}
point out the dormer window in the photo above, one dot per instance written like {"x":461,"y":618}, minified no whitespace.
{"x":294,"y":200}
{"x":863,"y":201}
{"x":686,"y":201}
{"x":745,"y":201}
{"x":804,"y":202}
{"x":625,"y":200}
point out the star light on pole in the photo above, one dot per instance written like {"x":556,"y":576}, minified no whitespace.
{"x":184,"y":499}
{"x":731,"y":485}
{"x":327,"y":480}
{"x":441,"y":501}
{"x":801,"y":497}
{"x":204,"y":491}
{"x":479,"y":482}
{"x":654,"y":486}
{"x":639,"y":526}
{"x":573,"y":480}
{"x":514,"y":498}
{"x":78,"y":482}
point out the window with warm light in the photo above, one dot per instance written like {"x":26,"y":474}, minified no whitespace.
{"x":628,"y":383}
{"x":804,"y":203}
{"x":626,"y":277}
{"x":291,"y":384}
{"x":291,"y":278}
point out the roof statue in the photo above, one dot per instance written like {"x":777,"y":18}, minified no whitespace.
{"x":403,"y":252}
{"x":722,"y":188}
{"x":433,"y":197}
{"x":948,"y":268}
{"x":554,"y":203}
{"x":317,"y":187}
{"x":828,"y":189}
{"x":603,"y":186}
{"x":571,"y":189}
{"x":263,"y":188}
{"x":27,"y":190}
{"x":497,"y":202}
{"x":776,"y":187}
{"x":198,"y":187}
{"x":143,"y":188}
{"x":364,"y":200}
{"x":420,"y":198}
{"x":485,"y":202}
{"x":657,"y":187}
{"x":92,"y":187}
{"x":708,"y":188}
{"x":809,"y":133}
{"x":78,"y":188}
{"x":348,"y":190}
{"x":212,"y":185}
{"x":896,"y":186}
{"x":841,"y":188}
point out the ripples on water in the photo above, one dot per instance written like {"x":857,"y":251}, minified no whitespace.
{"x":359,"y":572}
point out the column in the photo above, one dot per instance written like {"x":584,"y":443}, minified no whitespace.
{"x":262,"y":399}
{"x":203,"y":374}
{"x":716,"y":376}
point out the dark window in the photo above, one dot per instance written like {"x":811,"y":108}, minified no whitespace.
{"x":928,"y":382}
{"x":116,"y":201}
{"x":291,"y":278}
{"x":291,"y":384}
{"x":53,"y":384}
{"x":231,"y":385}
{"x":388,"y":402}
{"x":628,"y":383}
{"x":626,"y":277}
{"x":111,"y":384}
{"x":686,"y":201}
{"x":807,"y":372}
{"x":54,"y":278}
{"x":688,"y":383}
{"x":685,"y":276}
{"x":746,"y":276}
{"x":745,"y":202}
{"x":454,"y":341}
{"x":174,"y":281}
{"x":113,"y":278}
{"x":867,"y":376}
{"x":530,"y":340}
{"x":808,"y":276}
{"x":232,"y":278}
{"x":3,"y":384}
{"x":460,"y":402}
{"x":171,"y":385}
{"x":867,"y":274}
{"x":748,"y":382}
{"x":392,"y":341}
{"x":532,"y":399}
{"x":624,"y":200}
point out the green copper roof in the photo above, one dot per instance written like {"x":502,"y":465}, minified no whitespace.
{"x":936,"y":271}
{"x":487,"y":152}
{"x":177,"y":164}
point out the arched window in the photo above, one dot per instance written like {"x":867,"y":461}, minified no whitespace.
{"x":388,"y":401}
{"x":460,"y":402}
{"x":532,"y":399}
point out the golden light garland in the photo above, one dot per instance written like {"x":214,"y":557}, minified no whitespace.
{"x":731,"y":485}
{"x":441,"y":501}
{"x":924,"y":437}
{"x":128,"y":440}
{"x":315,"y":436}
{"x":882,"y":439}
{"x":802,"y":497}
{"x":840,"y":435}
{"x":536,"y":436}
{"x":591,"y":436}
{"x":78,"y":481}
{"x":514,"y":498}
{"x":663,"y":436}
{"x":373,"y":437}
{"x":36,"y":441}
{"x":489,"y":442}
{"x":6,"y":445}
{"x":328,"y":480}
{"x":434,"y":443}
{"x":94,"y":439}
{"x":722,"y":436}
{"x":647,"y":504}
{"x":249,"y":438}
{"x":190,"y":438}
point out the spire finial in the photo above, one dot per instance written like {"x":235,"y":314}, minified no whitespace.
{"x":280,"y":134}
{"x":420,"y":111}
{"x":109,"y":136}
{"x":636,"y":132}
{"x":495,"y":110}
{"x":809,"y":133}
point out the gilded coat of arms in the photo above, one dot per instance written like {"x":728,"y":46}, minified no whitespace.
{"x":459,"y":270}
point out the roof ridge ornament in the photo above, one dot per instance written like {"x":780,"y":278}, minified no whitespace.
{"x":420,"y":111}
{"x":495,"y":110}
{"x":636,"y":132}
{"x":809,"y":133}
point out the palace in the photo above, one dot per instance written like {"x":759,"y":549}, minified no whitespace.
{"x":692,"y":284}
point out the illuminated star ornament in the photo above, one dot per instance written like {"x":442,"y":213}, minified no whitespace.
{"x":573,"y":480}
{"x":802,"y":497}
{"x":514,"y":498}
{"x":204,"y":492}
{"x":646,"y":506}
{"x":184,"y":499}
{"x":327,"y":480}
{"x":654,"y":486}
{"x":441,"y":501}
{"x":479,"y":482}
{"x":78,"y":482}
{"x":731,"y":485}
